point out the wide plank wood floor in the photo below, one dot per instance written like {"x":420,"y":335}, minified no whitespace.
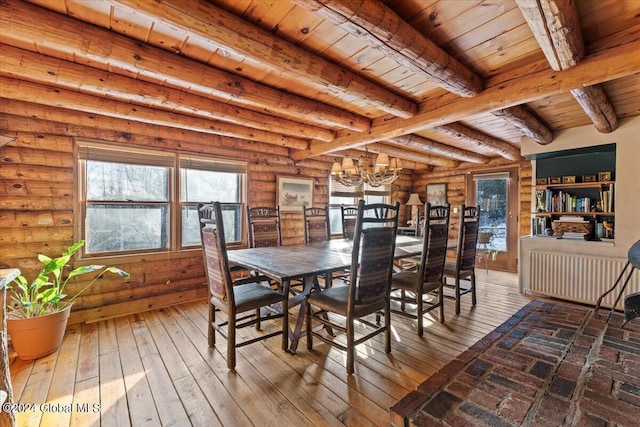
{"x":155,"y":368}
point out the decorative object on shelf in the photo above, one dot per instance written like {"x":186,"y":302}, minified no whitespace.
{"x":608,"y":229}
{"x":364,"y":170}
{"x":294,"y":193}
{"x":589,"y":178}
{"x":571,"y":227}
{"x":415,"y":203}
{"x":437,"y":194}
{"x":541,"y":181}
{"x":569,"y":179}
{"x":540,"y":205}
{"x":38,"y":311}
{"x":604,"y":176}
{"x":555,"y":180}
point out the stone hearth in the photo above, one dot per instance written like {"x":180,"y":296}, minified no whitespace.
{"x":550,"y":364}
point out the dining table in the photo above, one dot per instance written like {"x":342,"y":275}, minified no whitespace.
{"x":306,"y":263}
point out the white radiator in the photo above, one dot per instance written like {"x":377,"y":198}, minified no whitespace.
{"x":579,"y":278}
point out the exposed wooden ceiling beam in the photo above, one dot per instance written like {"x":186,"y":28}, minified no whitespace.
{"x":408,"y":154}
{"x":555,"y":25}
{"x":475,"y":138}
{"x":55,"y":97}
{"x":595,"y":103}
{"x":119,"y":131}
{"x":55,"y":72}
{"x":610,"y":64}
{"x":420,"y":144}
{"x":528,"y":124}
{"x":380,"y":27}
{"x":34,"y":28}
{"x":227,"y":31}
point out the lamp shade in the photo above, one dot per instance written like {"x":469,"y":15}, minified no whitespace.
{"x":414,"y":200}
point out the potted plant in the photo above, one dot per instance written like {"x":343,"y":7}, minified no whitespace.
{"x":38,"y":311}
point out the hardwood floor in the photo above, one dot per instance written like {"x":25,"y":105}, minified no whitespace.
{"x":155,"y":368}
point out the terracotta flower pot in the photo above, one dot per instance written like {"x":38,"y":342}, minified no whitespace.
{"x":38,"y":336}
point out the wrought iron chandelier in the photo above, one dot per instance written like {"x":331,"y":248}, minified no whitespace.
{"x":364,"y":170}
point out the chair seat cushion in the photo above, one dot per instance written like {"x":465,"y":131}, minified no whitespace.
{"x":254,"y":295}
{"x":450,"y":271}
{"x":335,"y":300}
{"x":409,"y":281}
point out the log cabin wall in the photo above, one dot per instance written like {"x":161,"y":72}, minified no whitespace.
{"x":456,"y":180}
{"x":38,"y":199}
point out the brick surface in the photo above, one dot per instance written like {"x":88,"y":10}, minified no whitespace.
{"x":551,"y":364}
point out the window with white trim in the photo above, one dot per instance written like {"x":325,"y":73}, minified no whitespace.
{"x":146,"y":201}
{"x":342,"y":195}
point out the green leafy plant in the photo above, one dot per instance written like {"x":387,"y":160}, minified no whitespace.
{"x":45,"y":294}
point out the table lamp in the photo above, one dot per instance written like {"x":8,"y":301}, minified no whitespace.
{"x":414,"y":202}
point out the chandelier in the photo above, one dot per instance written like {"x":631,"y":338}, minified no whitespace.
{"x":364,"y":170}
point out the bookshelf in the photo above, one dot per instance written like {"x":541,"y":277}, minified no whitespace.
{"x":573,"y":195}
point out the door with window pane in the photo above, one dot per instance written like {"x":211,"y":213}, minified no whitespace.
{"x":496,"y":195}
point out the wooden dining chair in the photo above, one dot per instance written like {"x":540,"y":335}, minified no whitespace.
{"x":237,"y":297}
{"x":464,"y":266}
{"x":264,"y":226}
{"x":316,"y":224}
{"x":369,"y":285}
{"x":414,"y":285}
{"x":205,"y":217}
{"x":349,"y":216}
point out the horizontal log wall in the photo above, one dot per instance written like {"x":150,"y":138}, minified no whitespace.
{"x":456,"y":180}
{"x":38,"y":198}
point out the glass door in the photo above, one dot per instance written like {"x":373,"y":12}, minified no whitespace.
{"x":496,"y":194}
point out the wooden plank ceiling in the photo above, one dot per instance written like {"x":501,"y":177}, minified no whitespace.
{"x":434,"y":82}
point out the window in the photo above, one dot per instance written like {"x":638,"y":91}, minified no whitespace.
{"x":145,"y":201}
{"x":341,"y":195}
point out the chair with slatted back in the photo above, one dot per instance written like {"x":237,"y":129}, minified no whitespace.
{"x":316,"y":224}
{"x":205,"y":217}
{"x":369,"y":285}
{"x":464,"y":266}
{"x":317,"y":228}
{"x":264,"y":226}
{"x":241,"y":299}
{"x":413,"y":286}
{"x":349,"y":216}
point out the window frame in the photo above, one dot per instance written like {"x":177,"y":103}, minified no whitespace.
{"x":175,"y":161}
{"x":361,"y":191}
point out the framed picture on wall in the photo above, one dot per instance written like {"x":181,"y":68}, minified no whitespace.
{"x":294,"y":193}
{"x":437,"y":194}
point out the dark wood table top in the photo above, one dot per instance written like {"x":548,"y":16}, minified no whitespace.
{"x":289,"y":262}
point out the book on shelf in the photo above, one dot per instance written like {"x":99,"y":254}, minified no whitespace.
{"x":606,"y":198}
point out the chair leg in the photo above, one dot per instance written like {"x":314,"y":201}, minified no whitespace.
{"x":387,"y":325}
{"x":473,"y":287}
{"x":441,"y":303}
{"x":457,"y":294}
{"x":309,"y":335}
{"x":350,"y":346}
{"x":211,"y":332}
{"x":285,"y":324}
{"x":258,"y":318}
{"x":420,"y":313}
{"x":231,"y":341}
{"x":402,"y":296}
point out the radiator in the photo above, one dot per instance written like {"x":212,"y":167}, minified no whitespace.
{"x":579,"y":278}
